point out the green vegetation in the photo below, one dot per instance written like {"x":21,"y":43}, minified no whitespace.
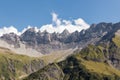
{"x":93,"y":53}
{"x":14,"y":66}
{"x":116,"y":40}
{"x":101,"y":68}
{"x":88,"y":64}
{"x":91,"y":63}
{"x":51,"y":72}
{"x":76,"y":68}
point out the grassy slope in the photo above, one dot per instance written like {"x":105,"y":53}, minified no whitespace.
{"x":57,"y":56}
{"x":75,"y":67}
{"x":9,"y":58}
{"x":93,"y":53}
{"x":101,"y":68}
{"x":116,"y":40}
{"x":97,"y":67}
{"x":13,"y":65}
{"x":51,"y":72}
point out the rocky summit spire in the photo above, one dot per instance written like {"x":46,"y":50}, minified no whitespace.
{"x":65,"y":32}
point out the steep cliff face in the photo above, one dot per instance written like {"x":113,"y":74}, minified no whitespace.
{"x":14,"y":67}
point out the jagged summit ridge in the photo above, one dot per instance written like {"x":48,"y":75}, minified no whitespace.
{"x":45,"y":42}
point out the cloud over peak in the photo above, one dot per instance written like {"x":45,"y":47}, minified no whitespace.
{"x":55,"y":19}
{"x":58,"y":25}
{"x":6,"y":30}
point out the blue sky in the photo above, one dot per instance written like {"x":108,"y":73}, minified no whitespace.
{"x":21,"y":13}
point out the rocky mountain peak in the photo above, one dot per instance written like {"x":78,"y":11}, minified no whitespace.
{"x":31,"y":30}
{"x":45,"y":32}
{"x":65,"y":32}
{"x":29,"y":36}
{"x":11,"y":38}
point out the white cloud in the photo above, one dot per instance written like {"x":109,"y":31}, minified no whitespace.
{"x":6,"y":30}
{"x":58,"y":25}
{"x":49,"y":28}
{"x":66,"y":22}
{"x":81,"y":22}
{"x":55,"y":19}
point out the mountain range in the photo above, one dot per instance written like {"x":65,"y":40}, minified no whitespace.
{"x":91,"y":54}
{"x":58,"y":41}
